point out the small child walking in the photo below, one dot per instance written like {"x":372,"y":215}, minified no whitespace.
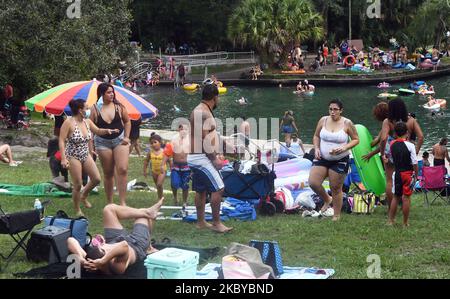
{"x":155,"y":157}
{"x":406,"y":170}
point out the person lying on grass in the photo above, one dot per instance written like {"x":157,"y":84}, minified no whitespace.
{"x":5,"y":149}
{"x":118,"y":249}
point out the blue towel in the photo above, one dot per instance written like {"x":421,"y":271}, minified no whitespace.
{"x":233,"y":209}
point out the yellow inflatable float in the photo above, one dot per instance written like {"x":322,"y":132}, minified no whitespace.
{"x":222,"y":90}
{"x":191,"y":87}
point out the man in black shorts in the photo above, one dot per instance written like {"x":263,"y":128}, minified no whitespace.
{"x":118,"y":249}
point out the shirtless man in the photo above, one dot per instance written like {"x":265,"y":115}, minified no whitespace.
{"x":118,"y":249}
{"x":440,"y":153}
{"x":176,"y":152}
{"x":203,"y":159}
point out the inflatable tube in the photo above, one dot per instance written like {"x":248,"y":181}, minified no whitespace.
{"x":435,"y":108}
{"x":372,"y":172}
{"x":346,"y":60}
{"x":406,"y":91}
{"x":190,"y":87}
{"x":442,"y":102}
{"x":292,"y":167}
{"x":417,"y":85}
{"x":294,"y":183}
{"x":222,"y":90}
{"x":305,"y":93}
{"x":424,"y":92}
{"x":384,"y":85}
{"x":299,"y":72}
{"x":386,"y":95}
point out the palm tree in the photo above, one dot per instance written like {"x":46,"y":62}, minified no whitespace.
{"x":271,"y":24}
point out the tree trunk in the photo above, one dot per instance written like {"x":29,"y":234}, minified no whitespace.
{"x":325,"y":20}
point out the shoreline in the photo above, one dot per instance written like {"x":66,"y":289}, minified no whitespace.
{"x":323,"y":79}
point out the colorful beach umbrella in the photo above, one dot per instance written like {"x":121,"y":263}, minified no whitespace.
{"x":56,"y":100}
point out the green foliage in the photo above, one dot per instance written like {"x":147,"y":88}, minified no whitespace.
{"x":42,"y":46}
{"x":199,"y":22}
{"x":270,"y":25}
{"x":430,"y":24}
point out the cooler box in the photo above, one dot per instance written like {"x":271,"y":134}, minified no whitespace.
{"x":172,"y":263}
{"x":48,"y":244}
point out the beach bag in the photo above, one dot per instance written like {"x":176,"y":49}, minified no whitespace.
{"x":78,"y":227}
{"x":235,"y":268}
{"x":363,"y":203}
{"x":347,"y":204}
{"x":270,"y":254}
{"x":305,"y":199}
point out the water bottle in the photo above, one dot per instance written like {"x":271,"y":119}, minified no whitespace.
{"x":37,"y":204}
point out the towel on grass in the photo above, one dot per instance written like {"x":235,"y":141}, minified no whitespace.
{"x":36,"y":190}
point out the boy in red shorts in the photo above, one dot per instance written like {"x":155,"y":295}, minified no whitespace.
{"x":406,"y":170}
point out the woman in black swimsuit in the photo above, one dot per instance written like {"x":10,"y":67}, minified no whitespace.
{"x":113,"y":149}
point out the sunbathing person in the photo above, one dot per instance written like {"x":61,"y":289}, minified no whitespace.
{"x":5,"y":149}
{"x":118,"y":249}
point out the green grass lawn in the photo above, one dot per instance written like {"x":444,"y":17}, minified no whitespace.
{"x":422,"y":251}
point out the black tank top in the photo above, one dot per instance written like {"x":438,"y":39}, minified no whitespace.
{"x":115,"y":124}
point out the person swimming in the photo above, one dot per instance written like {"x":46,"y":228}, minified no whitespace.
{"x":242,"y":101}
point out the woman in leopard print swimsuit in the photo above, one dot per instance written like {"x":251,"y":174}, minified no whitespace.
{"x":76,"y":155}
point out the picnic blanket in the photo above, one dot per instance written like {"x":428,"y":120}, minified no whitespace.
{"x":211,"y":271}
{"x":36,"y":190}
{"x":231,"y":208}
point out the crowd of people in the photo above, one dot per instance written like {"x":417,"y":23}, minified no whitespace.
{"x":13,"y":112}
{"x":373,"y":58}
{"x":105,"y":131}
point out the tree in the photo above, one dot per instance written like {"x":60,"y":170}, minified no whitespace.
{"x":41,"y":46}
{"x":430,"y":24}
{"x":202,"y":22}
{"x":270,"y":25}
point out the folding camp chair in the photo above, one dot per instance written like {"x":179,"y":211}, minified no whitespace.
{"x":19,"y":226}
{"x":433,"y":180}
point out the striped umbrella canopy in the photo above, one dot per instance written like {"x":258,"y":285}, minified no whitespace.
{"x":56,"y":100}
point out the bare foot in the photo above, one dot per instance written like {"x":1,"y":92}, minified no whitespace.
{"x":220,"y":228}
{"x":405,"y":225}
{"x":204,"y":224}
{"x":85,"y":202}
{"x":152,"y":212}
{"x":390,"y":223}
{"x":336,"y":218}
{"x":151,"y":250}
{"x":327,"y":204}
{"x":79,"y":214}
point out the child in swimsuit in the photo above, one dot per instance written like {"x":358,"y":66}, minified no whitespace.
{"x":155,"y":157}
